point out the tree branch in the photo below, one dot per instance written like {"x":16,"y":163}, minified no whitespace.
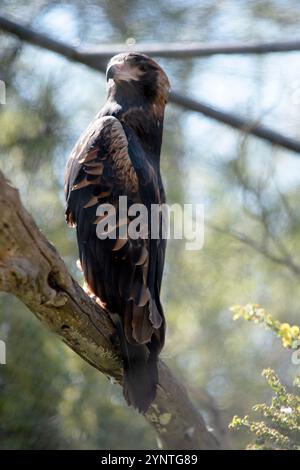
{"x":169,"y":50}
{"x":237,"y":122}
{"x":31,"y":269}
{"x":284,"y":260}
{"x":271,"y":245}
{"x":98,"y":63}
{"x":191,"y":49}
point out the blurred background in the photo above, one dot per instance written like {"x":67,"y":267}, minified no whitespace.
{"x":49,"y":397}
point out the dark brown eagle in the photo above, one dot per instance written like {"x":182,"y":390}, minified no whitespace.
{"x":119,"y":155}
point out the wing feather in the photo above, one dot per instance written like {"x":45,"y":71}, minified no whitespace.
{"x":107,"y":162}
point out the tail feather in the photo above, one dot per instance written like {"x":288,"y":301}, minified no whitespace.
{"x":140,"y":370}
{"x":140,"y":377}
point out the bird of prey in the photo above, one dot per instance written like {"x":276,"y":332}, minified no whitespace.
{"x":119,"y":155}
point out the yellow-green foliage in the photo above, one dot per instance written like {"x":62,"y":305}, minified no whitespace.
{"x":280,"y":426}
{"x":290,"y":335}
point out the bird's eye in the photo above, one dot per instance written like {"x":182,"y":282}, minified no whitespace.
{"x":143,"y":68}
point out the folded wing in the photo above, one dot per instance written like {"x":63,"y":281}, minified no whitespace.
{"x":108,"y":162}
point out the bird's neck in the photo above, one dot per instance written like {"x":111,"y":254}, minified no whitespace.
{"x":143,"y":116}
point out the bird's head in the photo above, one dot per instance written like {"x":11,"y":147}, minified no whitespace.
{"x":137,"y":75}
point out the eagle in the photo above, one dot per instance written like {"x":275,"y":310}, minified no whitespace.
{"x":119,"y":155}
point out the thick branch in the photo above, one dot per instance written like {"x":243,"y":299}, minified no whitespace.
{"x":98,"y":63}
{"x":31,"y":269}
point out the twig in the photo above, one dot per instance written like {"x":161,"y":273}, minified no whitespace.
{"x":285,"y":261}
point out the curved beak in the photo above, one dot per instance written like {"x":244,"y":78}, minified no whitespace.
{"x":122,"y":71}
{"x":113,"y":71}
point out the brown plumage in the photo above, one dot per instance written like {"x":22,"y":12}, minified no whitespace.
{"x":119,"y":155}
